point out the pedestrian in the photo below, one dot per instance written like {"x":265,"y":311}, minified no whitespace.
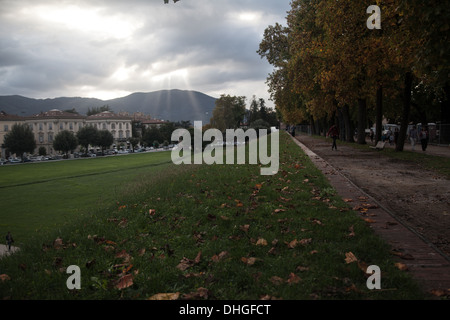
{"x":413,"y":137}
{"x":333,"y":132}
{"x":9,"y":241}
{"x":424,"y":138}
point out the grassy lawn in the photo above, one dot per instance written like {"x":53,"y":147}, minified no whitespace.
{"x":42,"y":196}
{"x":212,"y":232}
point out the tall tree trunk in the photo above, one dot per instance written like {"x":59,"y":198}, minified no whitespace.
{"x":379,"y":121}
{"x":311,"y":123}
{"x":348,"y":124}
{"x":406,"y":112}
{"x":362,"y":119}
{"x":341,"y":124}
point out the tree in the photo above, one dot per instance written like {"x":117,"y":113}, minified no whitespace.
{"x":42,"y":151}
{"x":105,"y":139}
{"x":151,"y":135}
{"x":96,"y":110}
{"x":166,"y":130}
{"x":20,"y":140}
{"x":65,"y":141}
{"x":88,"y":136}
{"x":228,"y":113}
{"x":134,"y":141}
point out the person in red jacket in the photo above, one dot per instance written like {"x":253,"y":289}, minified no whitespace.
{"x":334,"y":134}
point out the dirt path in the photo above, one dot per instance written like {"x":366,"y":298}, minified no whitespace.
{"x":419,"y":198}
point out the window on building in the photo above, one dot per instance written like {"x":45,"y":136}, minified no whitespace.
{"x":50,"y":126}
{"x":41,"y":138}
{"x":50,"y":137}
{"x":6,"y":128}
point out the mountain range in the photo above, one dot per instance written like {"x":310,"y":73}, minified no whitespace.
{"x":170,"y":105}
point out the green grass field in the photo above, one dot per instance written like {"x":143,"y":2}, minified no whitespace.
{"x":40,"y":196}
{"x":199,"y":232}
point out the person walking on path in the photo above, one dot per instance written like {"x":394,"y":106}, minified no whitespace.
{"x":333,"y":133}
{"x":413,"y":137}
{"x":424,"y":138}
{"x":9,"y":240}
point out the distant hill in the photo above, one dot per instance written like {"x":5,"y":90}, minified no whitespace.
{"x":171,"y":105}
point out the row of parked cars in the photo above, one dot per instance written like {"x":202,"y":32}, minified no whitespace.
{"x":91,"y":154}
{"x":29,"y":159}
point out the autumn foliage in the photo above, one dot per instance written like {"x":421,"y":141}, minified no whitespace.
{"x":330,"y":67}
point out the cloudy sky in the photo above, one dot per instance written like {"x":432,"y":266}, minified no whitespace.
{"x":111,"y":48}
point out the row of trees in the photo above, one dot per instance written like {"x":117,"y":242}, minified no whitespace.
{"x":230,"y":113}
{"x":21,"y":140}
{"x":329,"y":66}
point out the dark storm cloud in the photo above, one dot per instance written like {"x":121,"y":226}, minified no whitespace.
{"x":112,"y":47}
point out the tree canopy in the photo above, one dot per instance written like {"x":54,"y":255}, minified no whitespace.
{"x":331,"y":65}
{"x":228,"y":113}
{"x":65,"y":141}
{"x":20,"y":140}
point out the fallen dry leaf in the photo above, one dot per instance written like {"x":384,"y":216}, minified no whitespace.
{"x":220,"y":256}
{"x":350,"y":257}
{"x":401,"y":266}
{"x":123,"y":255}
{"x":184,"y":264}
{"x":293,"y":278}
{"x":292,"y":244}
{"x":4,"y":277}
{"x":352,"y":232}
{"x":249,"y":261}
{"x":244,"y":227}
{"x":124,"y":282}
{"x":165,"y":296}
{"x":440,"y":292}
{"x":261,"y":242}
{"x":58,"y":243}
{"x":198,"y":257}
{"x":276,"y":280}
{"x":201,"y":293}
{"x":304,"y":242}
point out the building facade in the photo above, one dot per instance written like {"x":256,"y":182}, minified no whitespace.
{"x":46,"y":125}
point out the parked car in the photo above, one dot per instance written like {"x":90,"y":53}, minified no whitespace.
{"x":14,"y":160}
